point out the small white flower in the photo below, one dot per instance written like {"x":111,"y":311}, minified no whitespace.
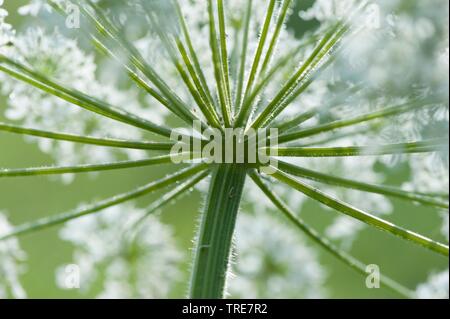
{"x":131,"y":258}
{"x":435,"y":288}
{"x":273,"y":261}
{"x":11,"y":264}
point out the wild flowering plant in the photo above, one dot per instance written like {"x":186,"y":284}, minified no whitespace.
{"x":101,"y":80}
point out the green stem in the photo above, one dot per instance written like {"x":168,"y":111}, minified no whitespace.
{"x":193,"y":54}
{"x":383,"y":113}
{"x":328,"y":41}
{"x":241,"y":75}
{"x":276,"y":34}
{"x":245,"y":111}
{"x":324,"y":242}
{"x":55,"y":220}
{"x":107,"y":29}
{"x":224,"y":49}
{"x":425,"y":199}
{"x":216,"y":232}
{"x":85,"y":168}
{"x":107,"y":142}
{"x":77,"y":98}
{"x":360,"y":215}
{"x":218,"y":67}
{"x":427,"y":146}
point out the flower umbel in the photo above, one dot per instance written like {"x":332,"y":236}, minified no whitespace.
{"x":112,"y":93}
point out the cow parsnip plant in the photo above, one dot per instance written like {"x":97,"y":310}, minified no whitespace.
{"x":228,"y":64}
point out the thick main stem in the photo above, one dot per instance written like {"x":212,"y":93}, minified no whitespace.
{"x":216,"y":232}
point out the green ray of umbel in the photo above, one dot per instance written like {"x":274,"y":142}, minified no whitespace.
{"x":324,"y":242}
{"x":360,"y":215}
{"x":110,"y":202}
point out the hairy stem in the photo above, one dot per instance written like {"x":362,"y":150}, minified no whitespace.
{"x":216,"y":232}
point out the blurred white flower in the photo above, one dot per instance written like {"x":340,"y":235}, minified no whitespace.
{"x":130,"y":258}
{"x":6,"y":31}
{"x":435,"y":288}
{"x":404,"y":56}
{"x":437,"y":285}
{"x":273,"y":261}
{"x":12,"y":259}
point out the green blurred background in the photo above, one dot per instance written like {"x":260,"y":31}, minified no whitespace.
{"x":25,"y":199}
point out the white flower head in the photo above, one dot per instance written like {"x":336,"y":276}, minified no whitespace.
{"x":11,"y":264}
{"x":435,"y":288}
{"x":6,"y":31}
{"x":273,"y":261}
{"x":132,"y":258}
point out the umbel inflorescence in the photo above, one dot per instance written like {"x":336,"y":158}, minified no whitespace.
{"x":367,"y":86}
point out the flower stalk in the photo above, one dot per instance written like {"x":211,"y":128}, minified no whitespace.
{"x":216,"y":232}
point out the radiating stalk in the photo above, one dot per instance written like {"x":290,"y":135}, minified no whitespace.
{"x":191,"y":84}
{"x":130,"y":69}
{"x":47,"y":222}
{"x":361,"y":186}
{"x":360,"y":215}
{"x":326,"y":42}
{"x":36,"y":171}
{"x":171,"y":196}
{"x":276,"y":34}
{"x":107,"y":28}
{"x":210,"y":112}
{"x":383,"y":113}
{"x":324,"y":242}
{"x":216,"y":232}
{"x":107,"y":142}
{"x":243,"y":60}
{"x":218,"y":67}
{"x":80,"y":99}
{"x":335,"y":136}
{"x":320,"y":65}
{"x":433,"y":145}
{"x":134,"y":75}
{"x":193,"y":53}
{"x":287,"y":125}
{"x":267,"y":77}
{"x":244,"y":112}
{"x":224,"y":49}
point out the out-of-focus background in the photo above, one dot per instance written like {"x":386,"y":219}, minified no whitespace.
{"x":25,"y":199}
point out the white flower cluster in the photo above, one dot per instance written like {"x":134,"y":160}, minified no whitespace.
{"x":391,"y":58}
{"x":6,"y":30}
{"x":273,"y":261}
{"x":130,"y":257}
{"x":437,"y":285}
{"x":11,"y":264}
{"x":435,"y":288}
